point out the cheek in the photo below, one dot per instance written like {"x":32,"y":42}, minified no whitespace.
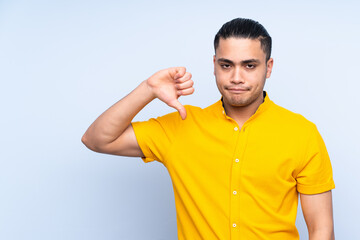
{"x":256,"y":78}
{"x":218,"y":75}
{"x":217,"y":71}
{"x":251,"y":77}
{"x":221,"y":80}
{"x":222,"y":75}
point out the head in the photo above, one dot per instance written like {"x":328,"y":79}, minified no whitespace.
{"x":245,"y":28}
{"x":242,"y":62}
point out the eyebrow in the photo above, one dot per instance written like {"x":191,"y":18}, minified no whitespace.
{"x":242,"y":62}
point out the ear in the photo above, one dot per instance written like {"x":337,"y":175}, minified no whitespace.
{"x":214,"y":59}
{"x":269,"y":66}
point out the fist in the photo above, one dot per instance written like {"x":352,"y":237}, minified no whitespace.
{"x":169,"y":84}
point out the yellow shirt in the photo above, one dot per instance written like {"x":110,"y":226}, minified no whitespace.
{"x":232,"y":183}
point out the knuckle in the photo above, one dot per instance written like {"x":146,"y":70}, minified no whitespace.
{"x":182,"y":69}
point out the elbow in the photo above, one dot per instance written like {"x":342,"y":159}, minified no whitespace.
{"x":85,"y":140}
{"x":93,"y":144}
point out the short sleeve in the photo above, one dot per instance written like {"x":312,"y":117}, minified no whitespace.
{"x":315,"y":171}
{"x":155,"y":136}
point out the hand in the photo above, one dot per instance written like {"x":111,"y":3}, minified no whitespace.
{"x":169,"y":84}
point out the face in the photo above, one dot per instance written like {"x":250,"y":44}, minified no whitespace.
{"x":240,"y":69}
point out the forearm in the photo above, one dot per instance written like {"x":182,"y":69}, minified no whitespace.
{"x":113,"y":122}
{"x":325,"y":234}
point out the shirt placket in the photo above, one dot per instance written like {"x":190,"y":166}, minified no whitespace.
{"x":235,"y":193}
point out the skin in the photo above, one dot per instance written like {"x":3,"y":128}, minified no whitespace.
{"x":240,"y":69}
{"x":318,"y":214}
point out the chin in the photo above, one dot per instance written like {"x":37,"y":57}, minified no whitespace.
{"x":239,"y":101}
{"x":236,"y":102}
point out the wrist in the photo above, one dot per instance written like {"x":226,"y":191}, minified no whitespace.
{"x":147,"y":91}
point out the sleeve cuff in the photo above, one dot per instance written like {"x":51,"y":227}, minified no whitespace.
{"x":149,"y":156}
{"x":315,"y":189}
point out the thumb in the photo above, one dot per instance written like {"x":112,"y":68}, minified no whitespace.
{"x":179,"y":107}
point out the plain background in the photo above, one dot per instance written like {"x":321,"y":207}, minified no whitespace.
{"x":62,"y":63}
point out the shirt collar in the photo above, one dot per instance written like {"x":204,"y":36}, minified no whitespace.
{"x":219,"y":107}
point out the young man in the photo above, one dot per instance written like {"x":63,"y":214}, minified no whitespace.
{"x":238,"y":165}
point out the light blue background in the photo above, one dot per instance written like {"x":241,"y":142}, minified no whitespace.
{"x":62,"y":63}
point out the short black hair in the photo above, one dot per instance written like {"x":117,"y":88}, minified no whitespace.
{"x":245,"y":28}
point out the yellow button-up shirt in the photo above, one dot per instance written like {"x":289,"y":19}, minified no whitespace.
{"x":232,"y":183}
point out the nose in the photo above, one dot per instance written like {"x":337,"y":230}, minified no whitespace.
{"x":237,"y":76}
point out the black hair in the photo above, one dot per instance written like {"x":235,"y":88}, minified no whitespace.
{"x":245,"y":28}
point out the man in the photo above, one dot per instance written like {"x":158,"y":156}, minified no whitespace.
{"x":238,"y":165}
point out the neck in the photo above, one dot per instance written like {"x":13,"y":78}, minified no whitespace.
{"x":242,"y":113}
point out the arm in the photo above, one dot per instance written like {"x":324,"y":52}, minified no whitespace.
{"x":112,"y":132}
{"x":318,"y":214}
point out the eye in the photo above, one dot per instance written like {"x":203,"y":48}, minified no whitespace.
{"x":250,"y":66}
{"x":225,"y":66}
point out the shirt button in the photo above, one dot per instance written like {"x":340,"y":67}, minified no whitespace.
{"x":234,"y":224}
{"x":223,"y":112}
{"x":236,"y":160}
{"x":235,"y":128}
{"x":234,"y":192}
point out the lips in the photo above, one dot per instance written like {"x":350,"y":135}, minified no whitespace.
{"x":237,"y":89}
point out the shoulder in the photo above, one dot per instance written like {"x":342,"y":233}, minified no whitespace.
{"x":193,"y":112}
{"x":174,"y":118}
{"x":193,"y":109}
{"x":289,"y":119}
{"x":207,"y":114}
{"x":194,"y":116}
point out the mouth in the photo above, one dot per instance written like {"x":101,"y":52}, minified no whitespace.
{"x":237,"y":89}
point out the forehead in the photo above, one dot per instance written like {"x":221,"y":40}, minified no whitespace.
{"x":239,"y":49}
